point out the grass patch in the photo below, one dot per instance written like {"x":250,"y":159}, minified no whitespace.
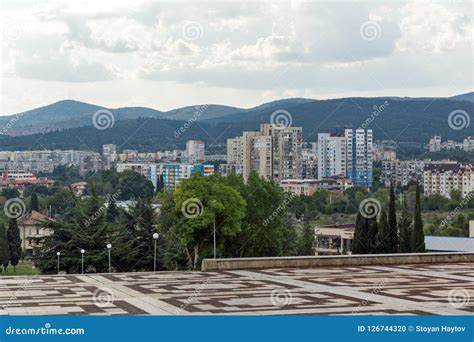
{"x":23,"y":268}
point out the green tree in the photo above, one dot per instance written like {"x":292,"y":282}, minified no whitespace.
{"x":83,"y":228}
{"x":14,"y":242}
{"x":418,"y":239}
{"x":132,"y":185}
{"x":10,"y":193}
{"x":198,"y":202}
{"x":34,"y":202}
{"x":372,"y":235}
{"x":171,"y":252}
{"x":66,"y":174}
{"x":307,"y":239}
{"x":392,"y":221}
{"x":383,"y":242}
{"x":266,"y":219}
{"x":4,"y":248}
{"x":144,"y":226}
{"x":361,"y":243}
{"x":405,"y":227}
{"x":112,"y":213}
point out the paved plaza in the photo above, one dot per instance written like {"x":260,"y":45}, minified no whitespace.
{"x":423,"y":289}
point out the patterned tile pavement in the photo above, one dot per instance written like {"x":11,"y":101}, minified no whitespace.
{"x":434,"y":289}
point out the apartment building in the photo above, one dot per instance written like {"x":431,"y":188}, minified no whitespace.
{"x":444,"y":178}
{"x":348,"y":153}
{"x":195,"y":151}
{"x":401,"y":172}
{"x":468,"y":144}
{"x":273,"y":152}
{"x":148,"y":170}
{"x":435,"y":144}
{"x":166,"y":175}
{"x":19,"y":180}
{"x":308,"y":187}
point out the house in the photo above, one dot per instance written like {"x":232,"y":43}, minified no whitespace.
{"x":333,"y":239}
{"x":78,"y":188}
{"x":31,"y":227}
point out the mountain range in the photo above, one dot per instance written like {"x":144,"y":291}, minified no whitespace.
{"x":405,"y":120}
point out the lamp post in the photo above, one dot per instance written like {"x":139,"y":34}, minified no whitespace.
{"x":155,"y":237}
{"x":215,"y":236}
{"x":82,"y":260}
{"x":109,"y":247}
{"x":58,"y":254}
{"x":213,"y":204}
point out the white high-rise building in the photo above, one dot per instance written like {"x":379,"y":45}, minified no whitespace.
{"x":435,"y":144}
{"x":195,"y":151}
{"x":346,"y":152}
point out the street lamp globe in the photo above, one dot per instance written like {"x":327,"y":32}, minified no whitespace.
{"x":58,"y":253}
{"x":83,"y":251}
{"x":109,"y":246}
{"x":156,"y":236}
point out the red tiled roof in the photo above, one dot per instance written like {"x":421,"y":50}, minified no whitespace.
{"x":35,"y":217}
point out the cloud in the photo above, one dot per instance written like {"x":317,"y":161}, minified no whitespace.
{"x":283,"y":47}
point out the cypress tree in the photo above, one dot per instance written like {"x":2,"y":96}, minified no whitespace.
{"x":418,"y":238}
{"x":361,"y":243}
{"x":4,"y":248}
{"x":383,"y":242}
{"x":34,"y":202}
{"x":406,"y":229}
{"x":112,"y":211}
{"x":372,"y":235}
{"x":14,"y":242}
{"x":392,"y":221}
{"x":306,"y":239}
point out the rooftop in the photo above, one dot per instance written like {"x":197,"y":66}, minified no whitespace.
{"x":413,"y":289}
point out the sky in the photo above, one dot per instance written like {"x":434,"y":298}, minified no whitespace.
{"x":166,"y":55}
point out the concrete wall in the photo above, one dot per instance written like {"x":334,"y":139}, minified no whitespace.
{"x":334,"y":260}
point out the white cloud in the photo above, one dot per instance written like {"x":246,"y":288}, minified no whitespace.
{"x":248,"y":48}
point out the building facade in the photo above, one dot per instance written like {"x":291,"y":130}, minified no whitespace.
{"x":273,"y":152}
{"x":348,"y":153}
{"x":444,"y":178}
{"x":195,"y":151}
